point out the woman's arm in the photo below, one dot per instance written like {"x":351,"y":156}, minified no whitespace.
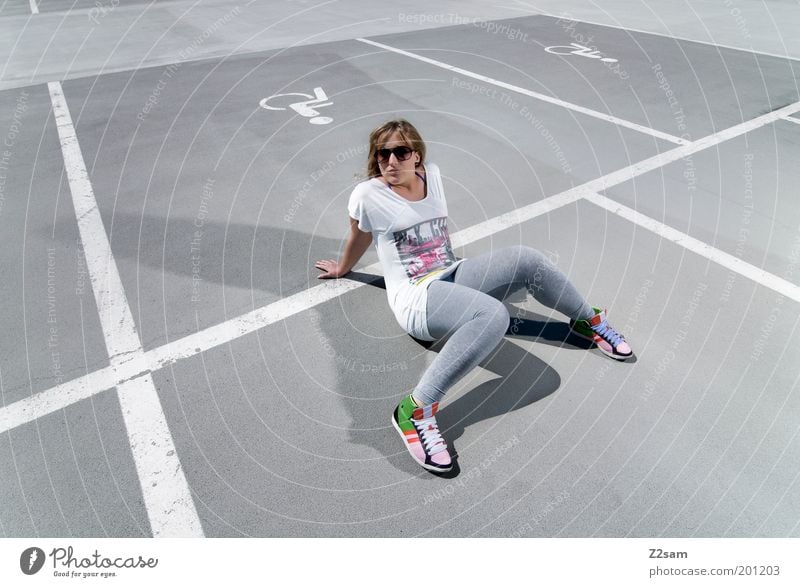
{"x":357,"y":244}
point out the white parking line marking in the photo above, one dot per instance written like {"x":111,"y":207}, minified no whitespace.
{"x":791,"y":119}
{"x":516,"y":217}
{"x":234,"y":328}
{"x":69,"y":392}
{"x":164,"y":488}
{"x":542,"y":97}
{"x":56,"y":398}
{"x":34,"y":8}
{"x":225,"y":332}
{"x":657,"y":161}
{"x":719,"y":257}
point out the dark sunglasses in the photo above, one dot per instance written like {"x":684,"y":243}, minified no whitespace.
{"x":401,"y":153}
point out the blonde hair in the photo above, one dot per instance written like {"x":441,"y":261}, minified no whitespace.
{"x":378,"y":137}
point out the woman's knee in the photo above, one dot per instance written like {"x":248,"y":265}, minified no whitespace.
{"x":530,"y":258}
{"x":495,"y":314}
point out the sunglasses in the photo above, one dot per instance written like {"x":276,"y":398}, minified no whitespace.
{"x":401,"y":153}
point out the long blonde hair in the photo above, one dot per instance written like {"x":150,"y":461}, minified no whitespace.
{"x":378,"y":137}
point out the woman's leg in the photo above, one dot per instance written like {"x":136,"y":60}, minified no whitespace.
{"x":475,"y":324}
{"x":501,"y":272}
{"x":471,"y":313}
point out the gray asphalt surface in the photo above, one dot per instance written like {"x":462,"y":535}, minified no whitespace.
{"x":215,"y":206}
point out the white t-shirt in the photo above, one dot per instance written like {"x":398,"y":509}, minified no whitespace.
{"x":412,"y":243}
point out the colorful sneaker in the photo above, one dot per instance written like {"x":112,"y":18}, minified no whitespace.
{"x":418,"y":427}
{"x":599,"y":331}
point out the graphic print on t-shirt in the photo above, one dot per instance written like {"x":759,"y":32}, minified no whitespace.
{"x":424,"y":247}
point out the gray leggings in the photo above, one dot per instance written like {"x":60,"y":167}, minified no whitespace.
{"x":466,"y":307}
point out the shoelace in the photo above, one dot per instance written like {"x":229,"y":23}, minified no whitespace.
{"x":608,"y":333}
{"x":432,"y":439}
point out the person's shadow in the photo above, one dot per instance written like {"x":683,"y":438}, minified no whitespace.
{"x":523,"y":380}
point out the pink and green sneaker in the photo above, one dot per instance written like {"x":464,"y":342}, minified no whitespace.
{"x":598,"y":330}
{"x":419,"y":430}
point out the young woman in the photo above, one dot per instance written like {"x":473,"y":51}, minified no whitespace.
{"x":433,"y":296}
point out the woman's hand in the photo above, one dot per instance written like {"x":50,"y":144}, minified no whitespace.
{"x":331,"y":269}
{"x":357,"y":244}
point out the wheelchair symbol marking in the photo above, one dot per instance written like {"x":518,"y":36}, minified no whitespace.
{"x":304,"y":107}
{"x":576,"y":49}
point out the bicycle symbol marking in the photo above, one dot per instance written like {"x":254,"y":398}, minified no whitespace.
{"x":576,"y":49}
{"x":305,"y":108}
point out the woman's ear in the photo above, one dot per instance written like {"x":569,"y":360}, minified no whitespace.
{"x":416,"y":162}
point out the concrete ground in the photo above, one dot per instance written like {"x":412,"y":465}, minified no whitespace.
{"x":172,"y":366}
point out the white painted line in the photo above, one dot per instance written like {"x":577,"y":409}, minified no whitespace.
{"x":542,"y":97}
{"x":119,"y":330}
{"x":328,"y":290}
{"x":67,"y":393}
{"x":164,"y":488}
{"x":34,"y":8}
{"x":533,"y":11}
{"x":58,"y":397}
{"x":722,"y":258}
{"x":170,"y":507}
{"x":642,"y":167}
{"x":234,"y":328}
{"x":516,"y":217}
{"x":791,"y":119}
